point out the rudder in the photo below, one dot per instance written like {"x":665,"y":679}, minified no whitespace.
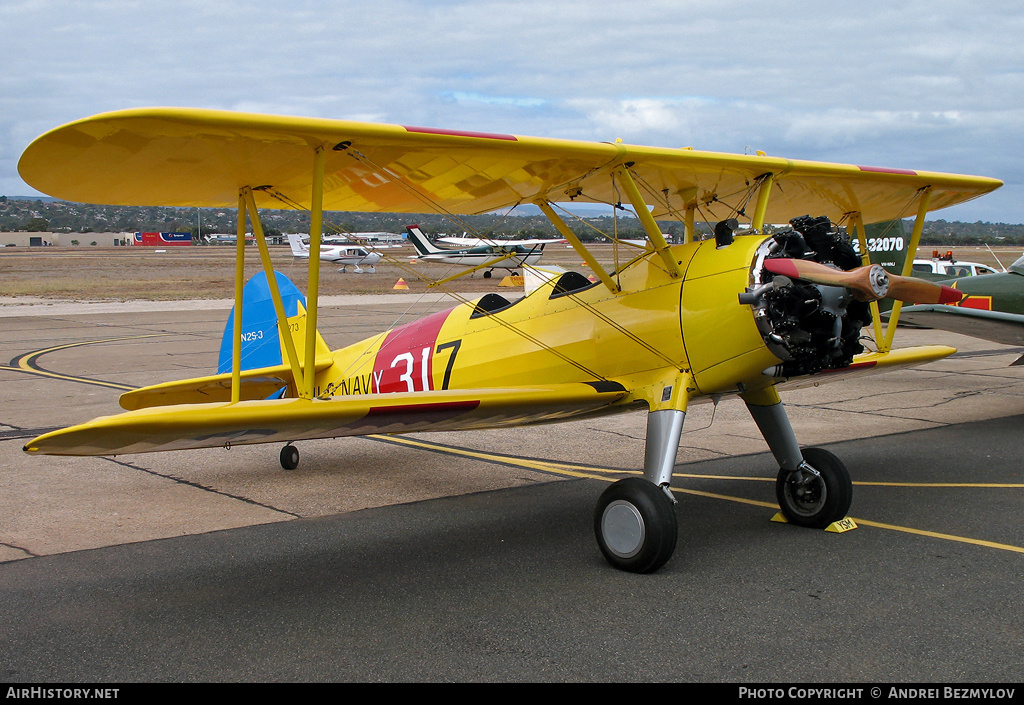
{"x":261,"y":343}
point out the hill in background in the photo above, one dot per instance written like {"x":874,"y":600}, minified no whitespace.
{"x":41,"y":214}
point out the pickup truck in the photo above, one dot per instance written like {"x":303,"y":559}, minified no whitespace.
{"x":949,"y":267}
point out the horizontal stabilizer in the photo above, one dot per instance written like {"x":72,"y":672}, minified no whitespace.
{"x":284,"y":420}
{"x":256,"y":384}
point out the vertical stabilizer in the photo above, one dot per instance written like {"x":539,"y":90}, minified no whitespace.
{"x":299,"y":248}
{"x":420,"y":241}
{"x":261,"y":344}
{"x":887,"y":245}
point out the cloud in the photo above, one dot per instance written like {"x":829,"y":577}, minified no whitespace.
{"x":916,"y":84}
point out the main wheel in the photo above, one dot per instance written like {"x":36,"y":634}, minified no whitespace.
{"x":487,"y":274}
{"x":815,"y":501}
{"x":289,"y":457}
{"x":635,"y":525}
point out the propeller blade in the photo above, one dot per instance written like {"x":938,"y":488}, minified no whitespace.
{"x":919,"y":291}
{"x":867,"y":283}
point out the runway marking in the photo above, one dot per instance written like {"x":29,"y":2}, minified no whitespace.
{"x":573,"y":470}
{"x":999,"y":485}
{"x":28,"y":362}
{"x":937,"y":535}
{"x":597,"y":473}
{"x":541,"y":465}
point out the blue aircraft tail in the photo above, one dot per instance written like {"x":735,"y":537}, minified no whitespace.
{"x":261,"y":343}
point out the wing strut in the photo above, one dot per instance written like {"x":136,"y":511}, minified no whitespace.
{"x":236,"y":352}
{"x":275,"y":295}
{"x":908,"y":265}
{"x":582,"y":251}
{"x":312,"y":295}
{"x":763,"y":193}
{"x":649,"y":223}
{"x":690,"y":229}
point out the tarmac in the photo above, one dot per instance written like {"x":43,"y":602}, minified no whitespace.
{"x":470,"y":556}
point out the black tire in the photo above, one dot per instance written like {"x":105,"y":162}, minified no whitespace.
{"x":289,"y":457}
{"x":635,"y":525}
{"x":487,"y":274}
{"x":815,"y":502}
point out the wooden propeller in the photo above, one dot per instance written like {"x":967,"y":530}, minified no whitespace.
{"x":867,"y":283}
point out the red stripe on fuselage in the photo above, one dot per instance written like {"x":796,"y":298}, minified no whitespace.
{"x":399,"y":365}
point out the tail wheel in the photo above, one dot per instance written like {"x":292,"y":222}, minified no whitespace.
{"x":635,"y":525}
{"x":289,"y":457}
{"x":815,"y":500}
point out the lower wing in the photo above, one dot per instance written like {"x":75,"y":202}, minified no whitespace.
{"x":213,"y":425}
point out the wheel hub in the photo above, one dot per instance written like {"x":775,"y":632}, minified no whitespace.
{"x":808,"y":493}
{"x":623,"y":529}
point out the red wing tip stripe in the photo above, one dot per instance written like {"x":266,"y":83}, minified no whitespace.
{"x":855,"y":366}
{"x":460,"y":133}
{"x":436,"y":407}
{"x":885,"y":170}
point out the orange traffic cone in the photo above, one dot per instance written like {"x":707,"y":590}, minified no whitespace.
{"x":400,"y":284}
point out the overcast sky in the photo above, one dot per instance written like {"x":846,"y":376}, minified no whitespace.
{"x":936,"y":84}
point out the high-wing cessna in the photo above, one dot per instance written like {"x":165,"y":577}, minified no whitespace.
{"x":741,"y":315}
{"x":485,"y":254}
{"x":345,"y":255}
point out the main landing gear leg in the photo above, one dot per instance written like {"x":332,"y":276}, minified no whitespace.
{"x":813,"y":487}
{"x":635,"y":520}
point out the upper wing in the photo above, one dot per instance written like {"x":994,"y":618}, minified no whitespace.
{"x":284,"y":420}
{"x":189,"y":157}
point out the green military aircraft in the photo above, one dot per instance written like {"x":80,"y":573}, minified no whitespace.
{"x":993,"y":308}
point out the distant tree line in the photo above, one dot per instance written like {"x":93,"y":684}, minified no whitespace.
{"x":50,"y":215}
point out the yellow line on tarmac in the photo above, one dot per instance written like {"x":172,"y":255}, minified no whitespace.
{"x":542,"y":465}
{"x":595,"y":473}
{"x":27,"y":362}
{"x":999,"y":485}
{"x":937,"y":535}
{"x":915,"y":485}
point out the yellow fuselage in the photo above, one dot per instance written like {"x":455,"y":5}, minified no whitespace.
{"x":656,"y":322}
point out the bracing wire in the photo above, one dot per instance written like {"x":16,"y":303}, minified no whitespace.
{"x":461,"y":299}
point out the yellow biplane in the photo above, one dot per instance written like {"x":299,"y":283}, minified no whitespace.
{"x":741,"y":314}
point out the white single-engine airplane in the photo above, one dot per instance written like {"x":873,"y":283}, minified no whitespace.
{"x":482,"y":254}
{"x":742,"y":315}
{"x":345,"y":255}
